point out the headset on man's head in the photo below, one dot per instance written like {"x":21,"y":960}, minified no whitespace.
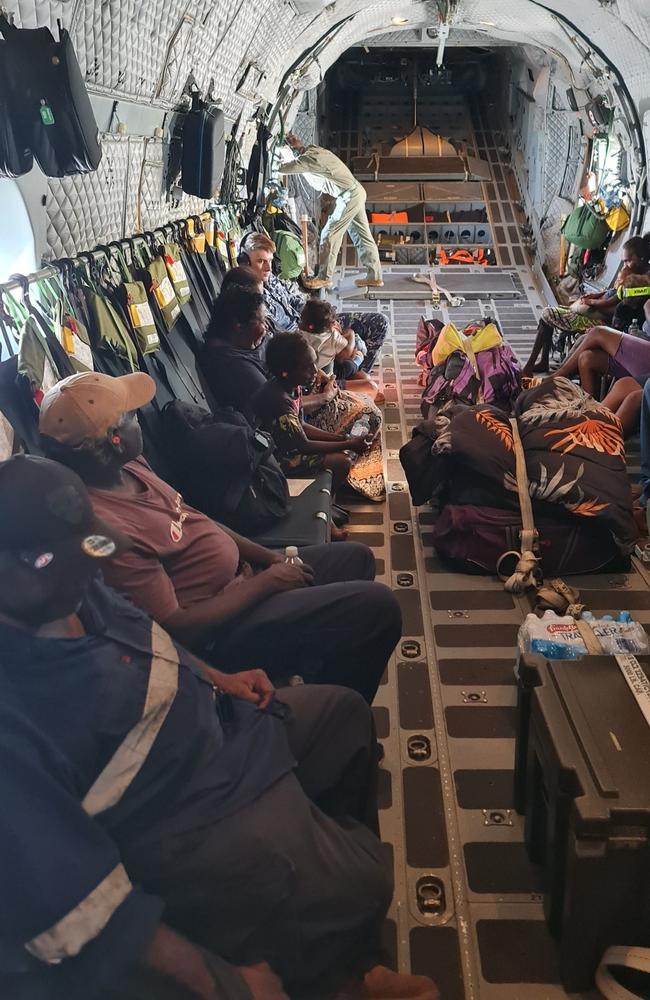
{"x":243,"y":255}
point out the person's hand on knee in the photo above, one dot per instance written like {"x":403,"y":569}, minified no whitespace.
{"x":247,"y":685}
{"x":262,"y":982}
{"x":281,"y":577}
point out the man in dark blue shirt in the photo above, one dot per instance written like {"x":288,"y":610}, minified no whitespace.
{"x":157,"y":832}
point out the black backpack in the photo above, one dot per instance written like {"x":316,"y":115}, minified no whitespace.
{"x":45,"y":104}
{"x":224,"y":467}
{"x":204,"y":149}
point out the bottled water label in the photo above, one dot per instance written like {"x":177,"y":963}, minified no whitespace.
{"x":557,"y":638}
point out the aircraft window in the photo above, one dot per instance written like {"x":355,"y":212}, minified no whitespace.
{"x":17,"y":251}
{"x":606,"y":164}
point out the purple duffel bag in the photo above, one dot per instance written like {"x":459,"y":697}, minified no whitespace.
{"x":473,"y":539}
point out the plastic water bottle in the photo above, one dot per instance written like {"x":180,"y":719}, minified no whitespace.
{"x":360,"y":428}
{"x":291,"y":556}
{"x":559,"y":638}
{"x":555,"y":637}
{"x":634,"y":329}
{"x":621,"y":636}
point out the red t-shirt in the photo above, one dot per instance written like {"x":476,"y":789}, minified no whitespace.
{"x":179,"y":555}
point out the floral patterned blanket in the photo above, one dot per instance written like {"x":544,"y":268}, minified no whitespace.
{"x":575,"y":457}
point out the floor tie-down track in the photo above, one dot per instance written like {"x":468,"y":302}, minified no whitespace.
{"x":468,"y":908}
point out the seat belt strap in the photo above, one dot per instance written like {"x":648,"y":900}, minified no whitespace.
{"x":527,"y":571}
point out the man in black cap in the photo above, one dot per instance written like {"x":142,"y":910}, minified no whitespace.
{"x":159,"y":837}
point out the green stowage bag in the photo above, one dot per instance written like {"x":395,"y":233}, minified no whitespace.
{"x":110,"y":331}
{"x":163,"y":292}
{"x":140,"y":316}
{"x":290,"y":254}
{"x":176,"y":272}
{"x":585,"y":229}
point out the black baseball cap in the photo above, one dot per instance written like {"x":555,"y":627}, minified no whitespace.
{"x":45,"y":510}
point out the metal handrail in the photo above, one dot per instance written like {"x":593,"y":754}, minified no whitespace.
{"x":12,"y":283}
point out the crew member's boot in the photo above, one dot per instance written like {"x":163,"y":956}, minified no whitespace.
{"x":369,"y":282}
{"x":314,"y":283}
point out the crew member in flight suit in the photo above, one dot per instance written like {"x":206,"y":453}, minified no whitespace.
{"x":326,"y":173}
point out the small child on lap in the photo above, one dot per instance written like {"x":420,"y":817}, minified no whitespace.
{"x":338,"y":351}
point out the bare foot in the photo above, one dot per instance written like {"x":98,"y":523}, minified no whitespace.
{"x":380,"y":399}
{"x":338,"y":534}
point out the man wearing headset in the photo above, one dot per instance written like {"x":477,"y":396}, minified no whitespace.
{"x":326,"y":173}
{"x":284,"y":302}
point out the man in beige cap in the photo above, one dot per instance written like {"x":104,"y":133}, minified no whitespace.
{"x":211,"y":588}
{"x":86,"y":406}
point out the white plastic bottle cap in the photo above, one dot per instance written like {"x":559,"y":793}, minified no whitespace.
{"x":291,"y":551}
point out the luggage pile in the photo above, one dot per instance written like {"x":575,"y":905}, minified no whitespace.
{"x":474,"y":365}
{"x":464,"y":460}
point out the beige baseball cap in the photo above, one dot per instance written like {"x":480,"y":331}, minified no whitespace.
{"x":85,"y":406}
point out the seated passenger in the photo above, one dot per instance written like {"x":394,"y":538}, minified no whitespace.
{"x":235,"y":371}
{"x":301,"y":448}
{"x":338,"y":351}
{"x":603,"y":351}
{"x":231,"y":360}
{"x":284,"y":302}
{"x":589,"y":310}
{"x":235,"y":857}
{"x":243,"y":277}
{"x":208,"y":586}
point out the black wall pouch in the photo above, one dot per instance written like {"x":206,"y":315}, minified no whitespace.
{"x":15,"y":157}
{"x":204,"y":149}
{"x":45,"y":84}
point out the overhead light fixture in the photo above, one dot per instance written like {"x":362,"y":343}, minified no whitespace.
{"x":399,"y":20}
{"x":488,"y":24}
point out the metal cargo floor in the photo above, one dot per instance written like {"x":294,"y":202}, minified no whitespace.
{"x":446,"y":711}
{"x":470,"y":282}
{"x":451,"y":688}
